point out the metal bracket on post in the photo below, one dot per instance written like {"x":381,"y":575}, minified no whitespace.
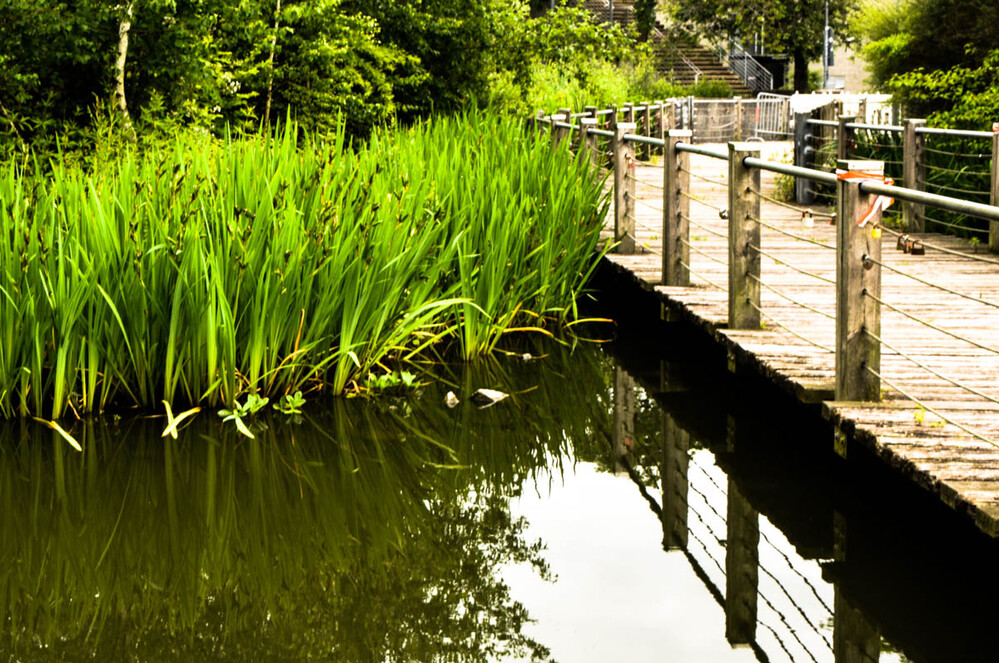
{"x":676,"y":210}
{"x":914,"y":174}
{"x":743,"y":238}
{"x":624,"y":189}
{"x":858,"y":286}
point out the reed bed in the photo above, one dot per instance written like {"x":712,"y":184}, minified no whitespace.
{"x":200,"y":271}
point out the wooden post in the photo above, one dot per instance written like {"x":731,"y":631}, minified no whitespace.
{"x":741,"y":567}
{"x":743,"y":238}
{"x":858,"y":252}
{"x":647,"y":129}
{"x":558,"y":133}
{"x":914,"y":174}
{"x":994,"y":198}
{"x":624,"y":189}
{"x":676,"y":210}
{"x":612,"y":117}
{"x":660,"y":124}
{"x":628,"y":112}
{"x":675,"y":466}
{"x":844,"y":137}
{"x":591,"y":111}
{"x":862,"y":110}
{"x":588,"y":140}
{"x":737,"y":118}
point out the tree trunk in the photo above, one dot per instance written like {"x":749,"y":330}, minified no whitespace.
{"x":270,"y":65}
{"x":119,"y":66}
{"x":800,"y":71}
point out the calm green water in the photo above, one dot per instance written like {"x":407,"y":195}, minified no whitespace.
{"x":599,"y":514}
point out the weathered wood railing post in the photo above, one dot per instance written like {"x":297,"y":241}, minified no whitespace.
{"x":646,"y":130}
{"x":558,"y":133}
{"x":588,"y":140}
{"x":737,"y":118}
{"x":743,"y":238}
{"x":844,"y":137}
{"x":676,"y":210}
{"x":624,"y":189}
{"x":858,"y":283}
{"x":591,"y":111}
{"x":612,"y":117}
{"x":913,"y":173}
{"x":627,"y":113}
{"x":994,"y":197}
{"x":660,"y":132}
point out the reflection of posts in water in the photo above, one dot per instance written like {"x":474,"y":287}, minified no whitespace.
{"x":741,"y":568}
{"x":675,"y":463}
{"x":624,"y":419}
{"x":855,"y":640}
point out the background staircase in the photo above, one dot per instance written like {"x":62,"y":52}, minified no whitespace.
{"x":681,"y":61}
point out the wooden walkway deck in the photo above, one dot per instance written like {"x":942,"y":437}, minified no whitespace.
{"x":958,"y":461}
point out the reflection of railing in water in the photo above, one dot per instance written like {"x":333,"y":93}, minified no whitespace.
{"x":774,"y":602}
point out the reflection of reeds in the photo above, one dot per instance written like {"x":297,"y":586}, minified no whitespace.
{"x":197,"y":273}
{"x":359,"y":530}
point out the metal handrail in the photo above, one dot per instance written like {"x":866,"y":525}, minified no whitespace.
{"x":748,"y":68}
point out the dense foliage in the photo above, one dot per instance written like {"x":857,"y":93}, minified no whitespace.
{"x":938,"y":57}
{"x":214,"y":64}
{"x":205,"y":270}
{"x":931,"y":35}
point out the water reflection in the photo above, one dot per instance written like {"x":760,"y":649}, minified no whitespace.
{"x":363,"y":531}
{"x":810,"y":590}
{"x":383,"y":531}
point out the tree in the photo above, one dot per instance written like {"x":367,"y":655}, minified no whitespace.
{"x":932,"y":35}
{"x":789,"y":26}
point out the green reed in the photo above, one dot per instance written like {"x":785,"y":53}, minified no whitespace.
{"x":200,"y":271}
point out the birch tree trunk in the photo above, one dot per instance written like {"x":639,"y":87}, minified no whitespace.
{"x":119,"y":66}
{"x":270,"y":65}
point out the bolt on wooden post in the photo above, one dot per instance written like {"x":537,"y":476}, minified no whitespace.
{"x":588,"y":140}
{"x":624,"y":189}
{"x":743,"y":238}
{"x":914,"y":173}
{"x":844,"y":137}
{"x":858,"y":283}
{"x":994,"y":197}
{"x":676,"y":210}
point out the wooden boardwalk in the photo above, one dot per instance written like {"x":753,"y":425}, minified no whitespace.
{"x":959,"y":461}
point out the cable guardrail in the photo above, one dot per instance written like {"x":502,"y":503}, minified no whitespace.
{"x":931,"y":195}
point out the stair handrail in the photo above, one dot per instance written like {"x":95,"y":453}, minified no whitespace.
{"x":676,"y":53}
{"x":746,"y":67}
